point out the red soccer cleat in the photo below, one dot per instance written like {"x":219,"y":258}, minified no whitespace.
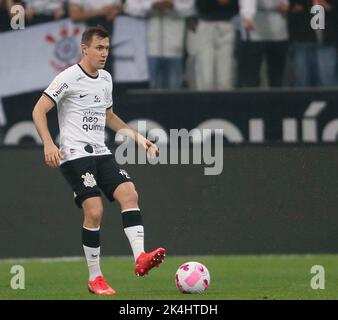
{"x":100,"y":286}
{"x":146,"y":261}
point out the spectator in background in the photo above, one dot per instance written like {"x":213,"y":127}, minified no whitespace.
{"x":5,"y":25}
{"x":129,"y":44}
{"x":215,"y":36}
{"x":5,"y":14}
{"x":314,"y":52}
{"x":166,"y":33}
{"x":264,"y":35}
{"x":191,"y":45}
{"x":40,"y":11}
{"x":94,"y":13}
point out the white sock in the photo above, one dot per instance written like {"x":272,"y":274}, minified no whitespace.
{"x":93,"y":261}
{"x":92,"y":254}
{"x":135,"y":236}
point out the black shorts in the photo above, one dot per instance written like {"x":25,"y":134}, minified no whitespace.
{"x":90,"y":175}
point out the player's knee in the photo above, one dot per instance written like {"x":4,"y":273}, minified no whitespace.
{"x":93,"y":214}
{"x":126,"y":194}
{"x":130,"y":197}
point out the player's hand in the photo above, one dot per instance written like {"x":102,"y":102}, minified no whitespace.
{"x":52,"y":155}
{"x":151,"y":148}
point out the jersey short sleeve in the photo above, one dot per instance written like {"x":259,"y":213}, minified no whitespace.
{"x":58,"y":88}
{"x":110,"y":103}
{"x":109,"y":93}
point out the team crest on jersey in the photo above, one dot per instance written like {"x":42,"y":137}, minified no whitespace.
{"x":97,"y":99}
{"x":89,"y":180}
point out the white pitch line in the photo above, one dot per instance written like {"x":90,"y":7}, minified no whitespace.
{"x":55,"y":259}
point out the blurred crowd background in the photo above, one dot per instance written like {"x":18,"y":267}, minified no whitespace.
{"x":212,"y":44}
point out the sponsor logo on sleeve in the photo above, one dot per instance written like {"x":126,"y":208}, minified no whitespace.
{"x":62,"y":87}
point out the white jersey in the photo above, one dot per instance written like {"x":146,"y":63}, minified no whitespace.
{"x":82,"y":101}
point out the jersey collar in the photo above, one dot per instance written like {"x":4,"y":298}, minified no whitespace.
{"x":87,"y":74}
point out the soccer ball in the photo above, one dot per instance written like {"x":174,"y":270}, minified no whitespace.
{"x":192,"y":277}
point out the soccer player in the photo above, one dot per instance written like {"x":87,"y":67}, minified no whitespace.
{"x":83,"y":95}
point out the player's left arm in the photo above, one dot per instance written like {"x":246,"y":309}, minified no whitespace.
{"x":118,"y":125}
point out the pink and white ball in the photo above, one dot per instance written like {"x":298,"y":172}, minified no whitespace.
{"x":192,"y":277}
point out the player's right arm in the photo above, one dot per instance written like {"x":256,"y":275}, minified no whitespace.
{"x":51,"y":151}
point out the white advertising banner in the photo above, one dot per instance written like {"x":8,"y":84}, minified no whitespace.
{"x":129,"y":49}
{"x":31,"y":58}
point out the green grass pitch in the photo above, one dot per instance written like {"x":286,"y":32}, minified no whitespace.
{"x":282,"y":277}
